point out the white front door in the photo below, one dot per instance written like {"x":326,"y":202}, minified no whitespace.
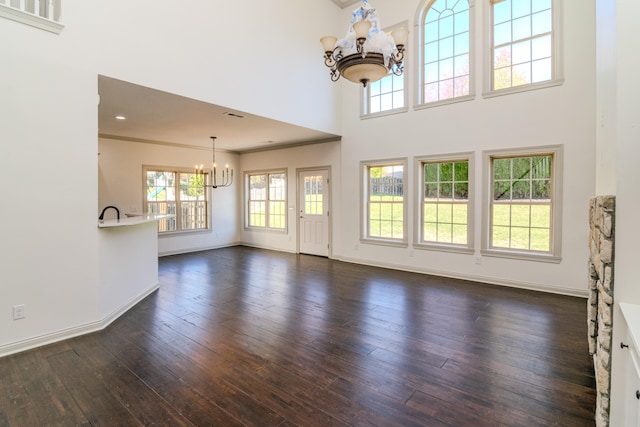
{"x":313,"y":206}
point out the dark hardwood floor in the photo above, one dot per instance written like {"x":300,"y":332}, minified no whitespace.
{"x":246,"y":337}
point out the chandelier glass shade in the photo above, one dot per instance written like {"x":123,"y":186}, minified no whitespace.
{"x":226,"y":176}
{"x":366,"y":54}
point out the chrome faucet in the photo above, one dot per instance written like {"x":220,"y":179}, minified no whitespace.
{"x":101,"y":218}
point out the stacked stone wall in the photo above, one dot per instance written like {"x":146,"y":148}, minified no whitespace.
{"x":600,"y":303}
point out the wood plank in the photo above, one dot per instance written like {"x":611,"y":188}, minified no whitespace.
{"x":249,"y":337}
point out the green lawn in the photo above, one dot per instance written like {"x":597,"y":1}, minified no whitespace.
{"x":515,"y":226}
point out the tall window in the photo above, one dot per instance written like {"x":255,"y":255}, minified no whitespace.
{"x":523,"y":42}
{"x":446,"y":49}
{"x":524,"y":207}
{"x":385,"y":213}
{"x":387,"y":95}
{"x":267,"y":200}
{"x":177,"y":193}
{"x":445,"y":208}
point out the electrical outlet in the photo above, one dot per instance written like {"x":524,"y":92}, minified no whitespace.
{"x":19,"y":312}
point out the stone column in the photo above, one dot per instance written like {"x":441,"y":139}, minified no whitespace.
{"x":600,"y":303}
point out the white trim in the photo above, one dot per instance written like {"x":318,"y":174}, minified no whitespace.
{"x":469,"y":157}
{"x":555,"y":254}
{"x":198,"y":249}
{"x":383,"y":113}
{"x":30,"y":19}
{"x":471,"y":277}
{"x":523,"y":88}
{"x":268,"y":248}
{"x":364,"y":191}
{"x":246,"y":200}
{"x":75,"y":331}
{"x":444,"y":102}
{"x":329,"y":206}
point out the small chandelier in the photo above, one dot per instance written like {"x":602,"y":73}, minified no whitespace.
{"x":365,"y":54}
{"x":227,"y":174}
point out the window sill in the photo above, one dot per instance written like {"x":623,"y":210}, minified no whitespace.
{"x":182,"y":233}
{"x":30,"y":19}
{"x":444,"y":248}
{"x":385,"y":242}
{"x":450,"y":101}
{"x":524,"y":256}
{"x":523,"y":88}
{"x":266,"y":229}
{"x":384,"y":113}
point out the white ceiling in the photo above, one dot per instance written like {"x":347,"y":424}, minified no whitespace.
{"x":164,"y":118}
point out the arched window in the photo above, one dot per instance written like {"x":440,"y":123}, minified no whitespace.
{"x":445,"y":50}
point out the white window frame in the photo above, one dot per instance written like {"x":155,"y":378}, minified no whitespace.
{"x":419,"y":242}
{"x":557,"y":60}
{"x":365,"y":236}
{"x":178,"y":214}
{"x":365,"y":92}
{"x":419,"y":54}
{"x":555,"y":253}
{"x":248,"y":200}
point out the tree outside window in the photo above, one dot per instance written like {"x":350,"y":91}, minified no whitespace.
{"x":446,"y":44}
{"x":385,"y":215}
{"x":522,"y":42}
{"x":521,"y":203}
{"x":177,"y":193}
{"x":445,"y":202}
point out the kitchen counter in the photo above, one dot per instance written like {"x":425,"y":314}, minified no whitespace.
{"x":132,"y":219}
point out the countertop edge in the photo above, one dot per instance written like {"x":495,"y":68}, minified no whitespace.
{"x":132,"y":220}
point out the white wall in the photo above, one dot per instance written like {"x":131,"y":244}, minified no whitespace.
{"x":120,"y":172}
{"x":240,"y":54}
{"x":558,"y":115}
{"x":48,"y":179}
{"x":231,"y":53}
{"x":292,"y":159}
{"x":128,"y":267}
{"x":623,"y":101}
{"x":227,"y":53}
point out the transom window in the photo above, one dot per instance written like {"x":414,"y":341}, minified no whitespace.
{"x":446,"y":65}
{"x":177,"y":193}
{"x":445,"y":209}
{"x":385,"y":213}
{"x":267,"y":200}
{"x":523,"y":45}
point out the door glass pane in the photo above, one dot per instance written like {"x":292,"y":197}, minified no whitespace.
{"x":313,"y":202}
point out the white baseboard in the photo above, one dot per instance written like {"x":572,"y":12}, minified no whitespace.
{"x":269,"y":248}
{"x":199,"y":249}
{"x":87,"y":328}
{"x":474,"y":278}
